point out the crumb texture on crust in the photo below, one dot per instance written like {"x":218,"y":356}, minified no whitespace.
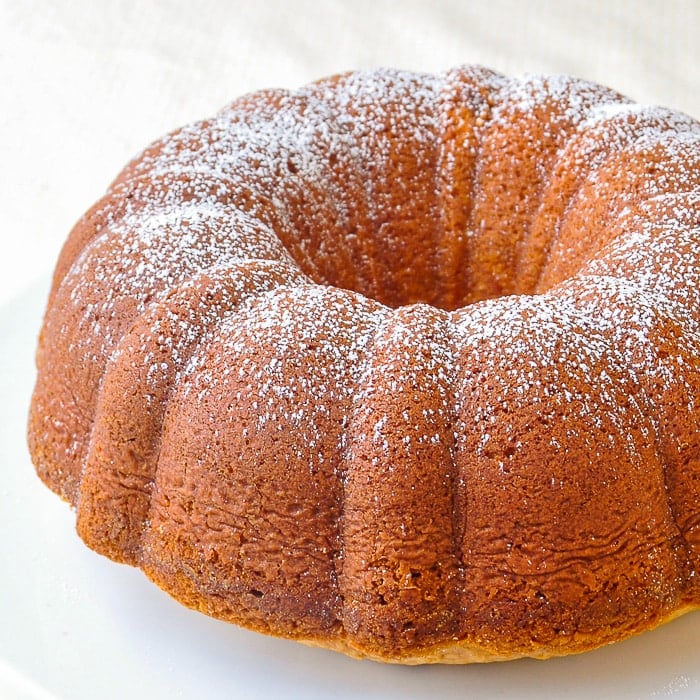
{"x":403,"y":365}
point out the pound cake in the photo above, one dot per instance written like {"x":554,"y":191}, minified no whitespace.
{"x":402,"y":365}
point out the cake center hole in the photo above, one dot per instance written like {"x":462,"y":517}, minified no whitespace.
{"x":404,"y":262}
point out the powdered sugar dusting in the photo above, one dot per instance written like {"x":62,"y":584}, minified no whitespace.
{"x":218,"y":276}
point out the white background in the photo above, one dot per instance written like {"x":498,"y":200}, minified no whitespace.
{"x":85,"y":85}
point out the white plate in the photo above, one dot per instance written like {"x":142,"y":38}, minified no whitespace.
{"x":74,"y":625}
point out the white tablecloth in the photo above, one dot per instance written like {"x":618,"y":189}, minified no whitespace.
{"x":87,"y":84}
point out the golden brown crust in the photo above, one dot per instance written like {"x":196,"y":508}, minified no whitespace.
{"x":399,"y":365}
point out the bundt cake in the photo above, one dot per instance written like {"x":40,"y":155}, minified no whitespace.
{"x":401,"y":365}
